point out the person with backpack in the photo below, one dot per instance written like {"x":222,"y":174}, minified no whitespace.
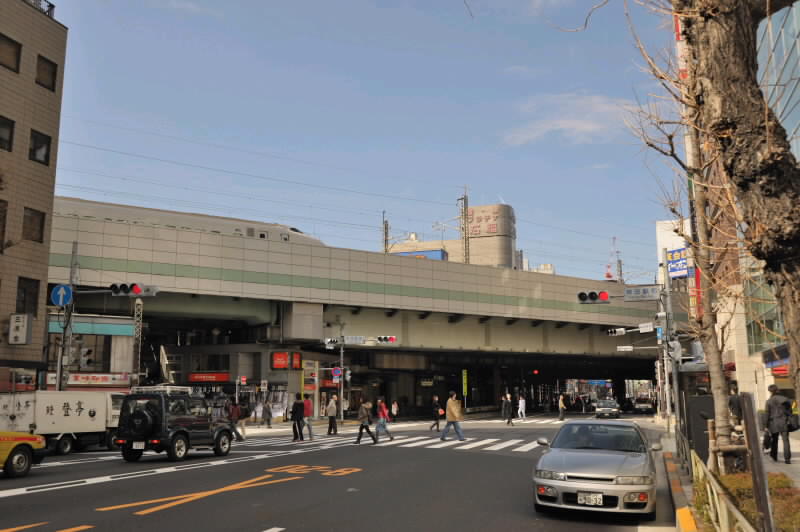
{"x":297,"y":415}
{"x":383,"y":419}
{"x":364,"y":421}
{"x":778,"y":408}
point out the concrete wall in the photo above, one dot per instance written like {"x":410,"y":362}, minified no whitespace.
{"x":25,"y":183}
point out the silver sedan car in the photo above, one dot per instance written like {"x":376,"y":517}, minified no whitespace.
{"x":603,"y":466}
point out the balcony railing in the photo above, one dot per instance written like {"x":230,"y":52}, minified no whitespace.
{"x":44,"y":6}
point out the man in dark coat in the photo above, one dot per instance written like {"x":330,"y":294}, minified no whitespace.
{"x":298,"y":413}
{"x":778,"y":409}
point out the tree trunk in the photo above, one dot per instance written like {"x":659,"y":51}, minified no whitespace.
{"x":752,"y":145}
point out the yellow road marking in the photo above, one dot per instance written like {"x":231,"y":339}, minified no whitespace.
{"x":686,"y":520}
{"x":75,"y":529}
{"x":24,"y":527}
{"x":190,"y":497}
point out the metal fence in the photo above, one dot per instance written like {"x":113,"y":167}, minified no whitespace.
{"x":44,"y":6}
{"x":718,"y":506}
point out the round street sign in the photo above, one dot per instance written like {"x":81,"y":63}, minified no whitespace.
{"x":61,"y":295}
{"x":336,"y":372}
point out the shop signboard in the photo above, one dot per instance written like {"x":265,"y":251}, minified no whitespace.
{"x":93,"y":379}
{"x":209,"y":377}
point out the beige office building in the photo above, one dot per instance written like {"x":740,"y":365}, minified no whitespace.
{"x":32,"y":49}
{"x":492,"y":239}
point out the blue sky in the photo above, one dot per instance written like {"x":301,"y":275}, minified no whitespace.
{"x":368,"y":103}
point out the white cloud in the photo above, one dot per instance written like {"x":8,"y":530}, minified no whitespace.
{"x":578,"y":117}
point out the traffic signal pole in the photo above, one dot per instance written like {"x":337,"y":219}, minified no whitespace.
{"x":341,"y":365}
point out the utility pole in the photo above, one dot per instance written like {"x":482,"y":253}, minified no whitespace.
{"x":341,"y":365}
{"x":669,"y":334}
{"x":62,"y":376}
{"x":385,"y":233}
{"x":464,"y":200}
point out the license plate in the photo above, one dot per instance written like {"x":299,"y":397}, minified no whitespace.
{"x":590,"y":499}
{"x":138,"y":445}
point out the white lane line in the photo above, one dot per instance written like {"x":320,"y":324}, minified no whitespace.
{"x":525,"y":448}
{"x":543,"y":421}
{"x":447,"y":443}
{"x":502,"y":445}
{"x":275,"y":529}
{"x":401,"y":439}
{"x":557,"y":422}
{"x":476,"y":444}
{"x":420,"y":443}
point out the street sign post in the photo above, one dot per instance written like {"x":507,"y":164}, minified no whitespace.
{"x":61,"y":295}
{"x":336,"y":372}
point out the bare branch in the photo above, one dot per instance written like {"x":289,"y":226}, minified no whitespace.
{"x":585,"y":22}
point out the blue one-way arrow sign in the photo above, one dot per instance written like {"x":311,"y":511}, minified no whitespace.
{"x":61,"y":296}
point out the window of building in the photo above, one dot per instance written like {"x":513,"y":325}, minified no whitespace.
{"x":27,"y":296}
{"x":33,"y":225}
{"x":40,"y":148}
{"x":6,"y":133}
{"x":211,"y":362}
{"x":3,"y":211}
{"x":262,"y":236}
{"x":10,"y":51}
{"x":46,"y":73}
{"x":285,"y":237}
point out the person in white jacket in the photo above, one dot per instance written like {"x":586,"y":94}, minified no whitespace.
{"x":521,"y":407}
{"x":330,"y":411}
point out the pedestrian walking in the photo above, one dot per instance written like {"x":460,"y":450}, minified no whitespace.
{"x":308,"y":414}
{"x":258,"y":411}
{"x":507,"y":409}
{"x":454,"y":417}
{"x":233,"y":417}
{"x":779,"y":408}
{"x":383,"y":419}
{"x":266,"y":416}
{"x":735,"y":403}
{"x":395,"y":410}
{"x":364,"y":421}
{"x":330,"y":411}
{"x":437,"y":413}
{"x":244,"y":415}
{"x":562,"y":407}
{"x":297,"y":415}
{"x":521,"y":407}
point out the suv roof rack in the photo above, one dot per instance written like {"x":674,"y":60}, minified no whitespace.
{"x":162,"y":388}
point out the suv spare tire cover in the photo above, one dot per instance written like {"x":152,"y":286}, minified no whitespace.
{"x":141,"y":423}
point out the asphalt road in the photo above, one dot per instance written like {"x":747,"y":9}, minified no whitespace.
{"x":270,"y":484}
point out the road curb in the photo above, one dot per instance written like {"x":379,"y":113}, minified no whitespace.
{"x":684,"y":519}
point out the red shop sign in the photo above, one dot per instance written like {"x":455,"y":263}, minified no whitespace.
{"x":280,"y":360}
{"x":328,"y":383}
{"x":297,"y":361}
{"x":209,"y":377}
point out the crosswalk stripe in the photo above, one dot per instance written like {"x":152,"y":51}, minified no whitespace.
{"x":419,"y":443}
{"x":446,"y":444}
{"x":476,"y":444}
{"x":401,"y":439}
{"x":526,"y":447}
{"x":502,"y":445}
{"x":543,"y":421}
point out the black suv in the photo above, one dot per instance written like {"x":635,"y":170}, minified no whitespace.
{"x":168,"y":418}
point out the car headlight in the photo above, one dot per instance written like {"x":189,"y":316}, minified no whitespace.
{"x":647,"y":479}
{"x":550,"y":475}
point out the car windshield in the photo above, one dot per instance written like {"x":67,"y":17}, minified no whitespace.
{"x":604,"y":437}
{"x":606,"y":404}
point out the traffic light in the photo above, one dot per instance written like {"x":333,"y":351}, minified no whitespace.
{"x":616,"y":332}
{"x":347,"y":375}
{"x":386,"y":339}
{"x":593,"y":297}
{"x":331,"y":343}
{"x":133,"y":290}
{"x":536,"y":372}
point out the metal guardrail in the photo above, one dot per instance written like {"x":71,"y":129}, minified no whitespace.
{"x":44,"y":6}
{"x":721,"y":510}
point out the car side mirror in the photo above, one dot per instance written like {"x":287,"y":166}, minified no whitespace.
{"x":655,"y":447}
{"x":543,"y":441}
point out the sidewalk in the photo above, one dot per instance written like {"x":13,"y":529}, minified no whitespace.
{"x":791,"y":470}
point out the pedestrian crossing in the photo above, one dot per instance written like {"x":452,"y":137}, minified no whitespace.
{"x":400,"y":441}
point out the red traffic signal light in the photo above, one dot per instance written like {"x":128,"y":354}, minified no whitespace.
{"x":132,"y":289}
{"x":593,"y":297}
{"x":536,"y":372}
{"x":387,"y":339}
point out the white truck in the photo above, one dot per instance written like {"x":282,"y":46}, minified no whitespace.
{"x":70,"y":420}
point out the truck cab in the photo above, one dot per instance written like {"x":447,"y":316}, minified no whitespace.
{"x":170,"y":419}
